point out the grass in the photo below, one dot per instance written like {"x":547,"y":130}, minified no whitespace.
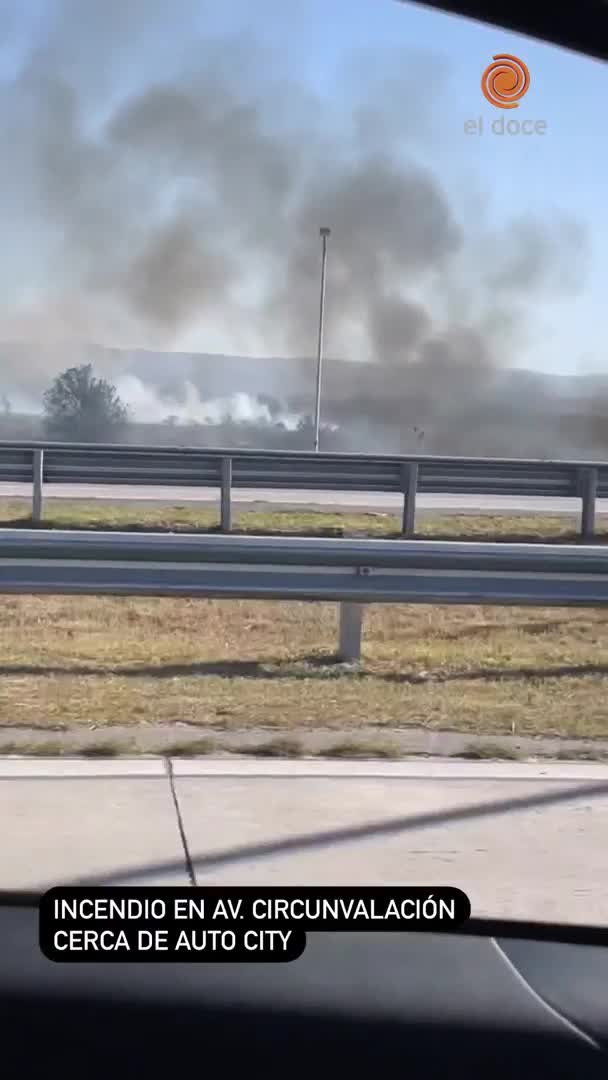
{"x":588,"y":754}
{"x":190,"y":517}
{"x":187,"y":748}
{"x":37,"y":749}
{"x":69,"y":664}
{"x":102,"y":750}
{"x":283,"y":747}
{"x":354,"y":748}
{"x":489,"y":751}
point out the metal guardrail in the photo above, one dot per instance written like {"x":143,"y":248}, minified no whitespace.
{"x":352,"y":572}
{"x":87,"y":463}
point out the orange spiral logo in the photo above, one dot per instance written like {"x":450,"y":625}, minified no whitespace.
{"x":505,"y":81}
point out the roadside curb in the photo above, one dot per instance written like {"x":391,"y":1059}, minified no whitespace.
{"x":22,"y":768}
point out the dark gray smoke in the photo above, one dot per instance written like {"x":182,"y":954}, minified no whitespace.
{"x":164,"y":183}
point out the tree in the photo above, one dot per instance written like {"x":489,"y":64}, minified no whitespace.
{"x":80,"y":408}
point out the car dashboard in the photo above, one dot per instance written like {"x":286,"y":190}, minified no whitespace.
{"x":429,"y":1004}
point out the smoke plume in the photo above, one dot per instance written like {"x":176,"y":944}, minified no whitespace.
{"x":165,"y":185}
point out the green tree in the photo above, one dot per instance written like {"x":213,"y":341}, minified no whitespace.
{"x":81,"y":408}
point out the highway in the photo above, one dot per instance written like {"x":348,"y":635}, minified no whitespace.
{"x":524,"y":840}
{"x":340,"y":501}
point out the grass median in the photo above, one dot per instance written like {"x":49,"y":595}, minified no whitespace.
{"x":194,"y":667}
{"x":207,"y":673}
{"x":190,"y":517}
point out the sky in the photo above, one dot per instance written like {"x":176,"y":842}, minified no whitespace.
{"x":564,"y":169}
{"x":427,"y":68}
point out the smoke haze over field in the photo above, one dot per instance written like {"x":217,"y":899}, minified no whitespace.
{"x":151,"y":203}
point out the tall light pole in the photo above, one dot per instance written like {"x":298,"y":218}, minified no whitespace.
{"x":324,"y":233}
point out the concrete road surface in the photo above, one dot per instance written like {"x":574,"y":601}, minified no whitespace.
{"x":523,"y":840}
{"x":328,"y":500}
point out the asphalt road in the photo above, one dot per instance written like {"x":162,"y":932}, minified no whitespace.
{"x":523,"y":840}
{"x":328,"y":500}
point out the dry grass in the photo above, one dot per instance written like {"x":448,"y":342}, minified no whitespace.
{"x":188,"y":517}
{"x":354,"y":748}
{"x":489,"y":751}
{"x":284,"y":747}
{"x":187,"y":748}
{"x":68,"y":663}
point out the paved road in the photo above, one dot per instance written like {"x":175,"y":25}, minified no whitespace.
{"x":337,"y":501}
{"x":541,"y":854}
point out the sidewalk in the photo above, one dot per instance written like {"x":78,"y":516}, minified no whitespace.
{"x":64,"y":820}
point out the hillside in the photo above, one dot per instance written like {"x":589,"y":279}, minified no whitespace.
{"x":206,"y":399}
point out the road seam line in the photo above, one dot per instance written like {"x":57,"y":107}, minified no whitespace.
{"x":180,"y":821}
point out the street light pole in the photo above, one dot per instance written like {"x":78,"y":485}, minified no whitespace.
{"x":324,"y":233}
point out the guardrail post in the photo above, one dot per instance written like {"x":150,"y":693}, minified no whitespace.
{"x":409,"y":485}
{"x":588,"y":488}
{"x":351,"y":625}
{"x":226,"y":504}
{"x":37,"y":488}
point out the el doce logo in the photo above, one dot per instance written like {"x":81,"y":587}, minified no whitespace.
{"x":504,"y":83}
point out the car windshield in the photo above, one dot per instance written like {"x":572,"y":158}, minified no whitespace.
{"x":303,"y":431}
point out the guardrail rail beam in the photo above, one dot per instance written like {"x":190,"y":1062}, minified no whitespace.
{"x":348,"y":572}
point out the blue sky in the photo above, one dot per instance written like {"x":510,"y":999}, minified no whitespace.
{"x":564,"y":170}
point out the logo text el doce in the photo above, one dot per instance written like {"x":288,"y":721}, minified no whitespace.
{"x":504,"y":83}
